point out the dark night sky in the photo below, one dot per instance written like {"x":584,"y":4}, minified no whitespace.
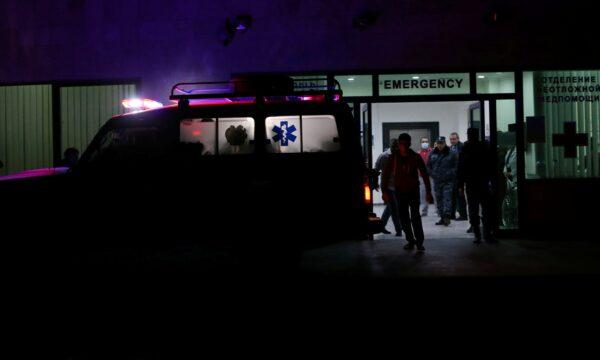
{"x":164,"y":41}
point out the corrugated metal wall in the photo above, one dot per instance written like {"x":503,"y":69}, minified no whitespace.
{"x":26,"y":120}
{"x":25,"y":127}
{"x":84,"y":109}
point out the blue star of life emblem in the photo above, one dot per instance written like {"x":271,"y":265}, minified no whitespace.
{"x":284,"y":133}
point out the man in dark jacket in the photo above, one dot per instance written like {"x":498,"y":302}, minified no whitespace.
{"x":442,"y":167}
{"x":405,"y":167}
{"x":475,"y":171}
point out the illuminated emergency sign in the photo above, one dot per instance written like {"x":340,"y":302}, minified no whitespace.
{"x":424,"y":84}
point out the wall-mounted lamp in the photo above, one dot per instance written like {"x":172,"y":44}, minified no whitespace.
{"x":239,"y":24}
{"x":500,"y":14}
{"x":365,"y":20}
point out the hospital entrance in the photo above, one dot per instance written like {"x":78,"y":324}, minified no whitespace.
{"x":427,"y":122}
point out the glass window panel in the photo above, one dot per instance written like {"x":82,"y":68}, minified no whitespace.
{"x":236,"y":135}
{"x":284,"y":134}
{"x":200,"y":132}
{"x":356,"y":85}
{"x":475,"y":116}
{"x":507,"y":160}
{"x":319,"y":134}
{"x":496,"y":83}
{"x":486,"y":112}
{"x":562,"y":121}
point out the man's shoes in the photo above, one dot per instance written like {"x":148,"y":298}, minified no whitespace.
{"x":446,"y":221}
{"x":462,"y":218}
{"x":385,"y":232}
{"x":409,"y":246}
{"x":470,"y":230}
{"x":420,"y":248}
{"x":399,"y":234}
{"x":441,"y":222}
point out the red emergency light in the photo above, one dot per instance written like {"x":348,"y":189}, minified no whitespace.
{"x":136,"y":104}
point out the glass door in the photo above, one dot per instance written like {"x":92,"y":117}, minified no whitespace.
{"x":475,"y":115}
{"x":366,"y":134}
{"x":496,"y":119}
{"x":505,"y":142}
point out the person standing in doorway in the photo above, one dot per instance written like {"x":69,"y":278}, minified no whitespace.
{"x":475,"y":172}
{"x":442,"y":167}
{"x":391,"y":208}
{"x":459,"y":203}
{"x":405,"y":166}
{"x":509,"y":203}
{"x":424,"y":152}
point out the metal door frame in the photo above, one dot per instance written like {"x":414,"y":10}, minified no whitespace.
{"x":474,"y":97}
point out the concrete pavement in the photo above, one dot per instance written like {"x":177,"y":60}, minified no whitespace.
{"x":450,"y":252}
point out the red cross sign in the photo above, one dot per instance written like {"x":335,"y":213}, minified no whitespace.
{"x":570,"y":140}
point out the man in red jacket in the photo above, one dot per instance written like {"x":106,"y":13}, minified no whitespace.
{"x":405,"y":166}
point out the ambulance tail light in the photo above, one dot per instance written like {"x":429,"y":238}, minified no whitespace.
{"x":368,"y":195}
{"x":136,"y":104}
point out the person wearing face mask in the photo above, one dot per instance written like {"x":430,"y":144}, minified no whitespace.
{"x":424,"y":152}
{"x":404,"y":168}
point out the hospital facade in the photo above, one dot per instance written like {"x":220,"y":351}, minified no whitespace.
{"x":530,"y":86}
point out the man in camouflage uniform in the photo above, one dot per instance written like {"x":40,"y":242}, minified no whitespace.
{"x":442,"y":168}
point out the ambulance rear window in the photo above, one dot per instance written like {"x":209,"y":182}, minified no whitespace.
{"x":302,"y":134}
{"x":223,"y":136}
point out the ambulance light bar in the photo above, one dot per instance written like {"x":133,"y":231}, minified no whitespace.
{"x":136,"y":104}
{"x":270,"y":89}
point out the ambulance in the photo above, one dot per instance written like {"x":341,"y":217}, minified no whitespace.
{"x":253,"y":162}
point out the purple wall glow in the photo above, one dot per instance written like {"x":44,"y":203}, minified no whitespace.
{"x":165,"y":41}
